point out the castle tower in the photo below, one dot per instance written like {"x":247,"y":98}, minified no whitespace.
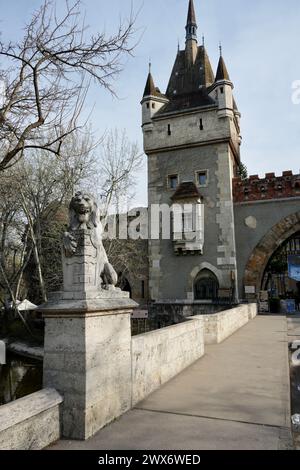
{"x":192,"y":140}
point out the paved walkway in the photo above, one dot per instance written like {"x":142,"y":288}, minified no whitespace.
{"x":236,"y":397}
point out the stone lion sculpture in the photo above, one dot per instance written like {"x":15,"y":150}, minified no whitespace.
{"x":84,"y":216}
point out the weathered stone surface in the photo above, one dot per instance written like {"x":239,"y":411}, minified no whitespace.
{"x":160,"y":355}
{"x":85,"y":263}
{"x":88,"y":360}
{"x":32,"y":422}
{"x":221,"y":325}
{"x":251,"y":222}
{"x":114,"y":301}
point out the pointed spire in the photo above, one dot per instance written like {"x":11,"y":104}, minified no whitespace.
{"x":191,"y":23}
{"x":222,"y":73}
{"x":150,"y":87}
{"x":191,"y":18}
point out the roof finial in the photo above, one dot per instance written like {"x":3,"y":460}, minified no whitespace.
{"x":150,"y":65}
{"x":203,"y":40}
{"x":220,"y":48}
{"x":178,"y":46}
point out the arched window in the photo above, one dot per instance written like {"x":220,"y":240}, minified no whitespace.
{"x":206,"y":286}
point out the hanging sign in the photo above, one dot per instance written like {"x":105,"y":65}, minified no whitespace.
{"x":294,"y":267}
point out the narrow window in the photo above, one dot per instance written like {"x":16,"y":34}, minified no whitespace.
{"x":153,"y":105}
{"x":148,"y":105}
{"x":143,"y":289}
{"x":222,"y":90}
{"x":202,"y":178}
{"x":201,"y":124}
{"x":173,"y":181}
{"x":169,"y":129}
{"x":188,"y":221}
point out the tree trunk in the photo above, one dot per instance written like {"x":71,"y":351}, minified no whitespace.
{"x":35,"y":248}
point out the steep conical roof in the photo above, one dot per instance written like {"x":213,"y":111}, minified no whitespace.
{"x":150,"y":87}
{"x":222,"y":73}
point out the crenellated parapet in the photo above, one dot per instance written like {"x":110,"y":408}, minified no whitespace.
{"x":270,"y":187}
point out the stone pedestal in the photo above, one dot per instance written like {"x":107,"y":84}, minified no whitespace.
{"x":81,"y":272}
{"x":88,"y":359}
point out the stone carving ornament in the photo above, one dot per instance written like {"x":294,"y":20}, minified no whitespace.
{"x":83,"y":248}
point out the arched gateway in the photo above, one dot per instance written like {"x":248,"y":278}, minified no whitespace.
{"x":263,"y":252}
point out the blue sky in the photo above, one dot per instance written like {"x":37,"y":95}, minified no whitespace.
{"x":261,"y":48}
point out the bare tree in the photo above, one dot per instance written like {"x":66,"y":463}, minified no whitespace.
{"x":48,"y":76}
{"x":120,"y":162}
{"x":33,"y":212}
{"x":33,"y":209}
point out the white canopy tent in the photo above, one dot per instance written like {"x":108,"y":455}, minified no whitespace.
{"x":23,"y":306}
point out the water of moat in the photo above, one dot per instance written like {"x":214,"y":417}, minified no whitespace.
{"x":19,"y":377}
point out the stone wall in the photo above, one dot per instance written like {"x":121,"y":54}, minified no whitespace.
{"x":88,"y":360}
{"x":163,"y":314}
{"x":32,"y":422}
{"x":160,"y":355}
{"x":221,"y":325}
{"x":270,"y":187}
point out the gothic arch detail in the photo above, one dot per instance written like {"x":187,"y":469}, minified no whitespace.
{"x":194,"y":273}
{"x":261,"y":255}
{"x":206,"y":285}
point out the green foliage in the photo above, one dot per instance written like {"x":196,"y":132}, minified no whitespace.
{"x":243,"y":171}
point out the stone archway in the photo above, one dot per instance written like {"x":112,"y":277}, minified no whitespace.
{"x":206,"y":286}
{"x":194,"y":273}
{"x":261,"y":255}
